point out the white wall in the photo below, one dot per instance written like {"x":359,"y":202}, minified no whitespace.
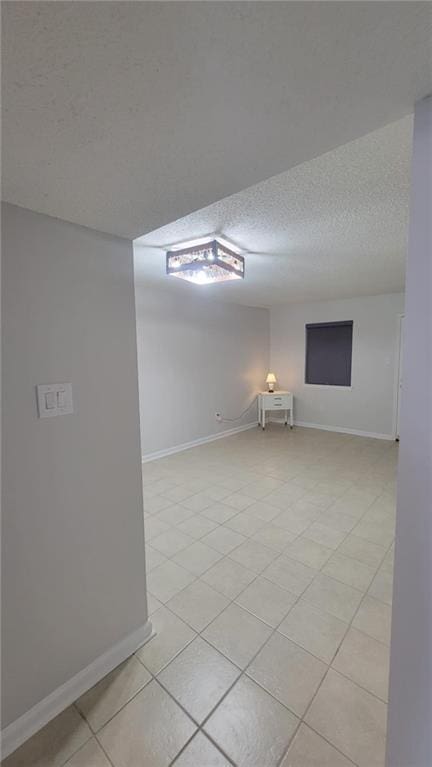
{"x":410,"y":702}
{"x":369,"y":406}
{"x":73,"y":546}
{"x":196,"y":356}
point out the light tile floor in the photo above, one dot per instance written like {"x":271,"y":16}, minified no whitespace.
{"x":269,"y":559}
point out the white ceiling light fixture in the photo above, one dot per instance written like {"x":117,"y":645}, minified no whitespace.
{"x":205,"y":261}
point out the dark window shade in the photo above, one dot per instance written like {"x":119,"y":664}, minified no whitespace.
{"x":329,"y":353}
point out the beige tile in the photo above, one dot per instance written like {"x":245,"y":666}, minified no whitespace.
{"x":174,"y":515}
{"x":306,"y":510}
{"x":333,"y":597}
{"x":156,"y":503}
{"x":369,"y":553}
{"x":251,"y":727}
{"x":54,"y":744}
{"x":319,"y":498}
{"x":349,"y":571}
{"x":171,"y":636}
{"x":217,"y":492}
{"x":242,"y":476}
{"x":148,"y":731}
{"x":303,"y":480}
{"x":153,"y":527}
{"x":178,"y":493}
{"x":274,"y":537}
{"x":334,"y":487}
{"x":285,"y":496}
{"x":382,"y":586}
{"x":351,"y":719}
{"x":286,"y":473}
{"x":99,"y":704}
{"x":198,"y":678}
{"x":153,"y":604}
{"x":262,"y":487}
{"x":197,"y":558}
{"x":292,"y":521}
{"x":154,"y":489}
{"x":172,"y":541}
{"x":338,"y":520}
{"x":237,"y":634}
{"x":310,"y":750}
{"x":374,"y":618}
{"x":198,"y":483}
{"x":288,"y":672}
{"x":153,"y":558}
{"x":264,"y":511}
{"x":168,"y":579}
{"x":289,"y":574}
{"x":324,"y":535}
{"x":90,"y":755}
{"x":253,"y":555}
{"x":267,"y":601}
{"x":246,"y":524}
{"x":223,"y":539}
{"x":198,"y":604}
{"x":197,"y":502}
{"x":219,"y":513}
{"x":314,"y":630}
{"x":365,"y":661}
{"x":388,"y":562}
{"x":200,"y":752}
{"x":376,"y":533}
{"x":232,"y":483}
{"x":356,"y":500}
{"x":309,"y":552}
{"x":238,"y":501}
{"x":197,"y":526}
{"x":228,"y":577}
{"x":160,"y":484}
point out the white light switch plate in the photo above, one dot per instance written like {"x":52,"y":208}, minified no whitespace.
{"x":54,"y":399}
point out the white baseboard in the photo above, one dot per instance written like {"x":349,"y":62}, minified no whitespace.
{"x":201,"y":441}
{"x":342,"y":430}
{"x":39,"y":715}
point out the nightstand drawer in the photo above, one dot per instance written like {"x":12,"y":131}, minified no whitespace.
{"x":275,"y":401}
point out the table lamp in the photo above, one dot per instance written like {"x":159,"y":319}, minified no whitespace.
{"x":271,"y":380}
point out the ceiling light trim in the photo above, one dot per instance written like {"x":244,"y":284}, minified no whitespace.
{"x":209,"y":262}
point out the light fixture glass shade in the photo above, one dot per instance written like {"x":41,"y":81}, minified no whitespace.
{"x":205,"y":263}
{"x":271,"y":378}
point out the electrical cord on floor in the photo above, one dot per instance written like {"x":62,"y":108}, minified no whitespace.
{"x":222,"y":419}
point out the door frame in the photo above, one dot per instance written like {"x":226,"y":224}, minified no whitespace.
{"x":398,"y":360}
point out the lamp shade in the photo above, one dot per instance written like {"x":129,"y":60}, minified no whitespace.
{"x":271,"y":378}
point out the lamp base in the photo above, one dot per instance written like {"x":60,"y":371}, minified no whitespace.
{"x":271,"y":389}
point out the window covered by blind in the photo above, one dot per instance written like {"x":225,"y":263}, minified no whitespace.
{"x":329,"y":353}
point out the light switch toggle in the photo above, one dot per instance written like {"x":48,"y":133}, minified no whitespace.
{"x":54,"y":399}
{"x":61,"y":399}
{"x":50,"y":400}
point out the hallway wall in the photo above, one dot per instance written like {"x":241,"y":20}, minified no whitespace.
{"x":73,"y":539}
{"x":410,"y":702}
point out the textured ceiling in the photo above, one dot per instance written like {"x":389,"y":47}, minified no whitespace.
{"x":124,"y":116}
{"x":333,"y":227}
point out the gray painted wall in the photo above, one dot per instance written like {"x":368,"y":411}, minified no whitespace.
{"x":369,"y":405}
{"x":410,"y":707}
{"x":196,"y":357}
{"x":73,"y":545}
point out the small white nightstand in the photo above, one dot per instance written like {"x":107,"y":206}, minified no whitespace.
{"x":277,"y":400}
